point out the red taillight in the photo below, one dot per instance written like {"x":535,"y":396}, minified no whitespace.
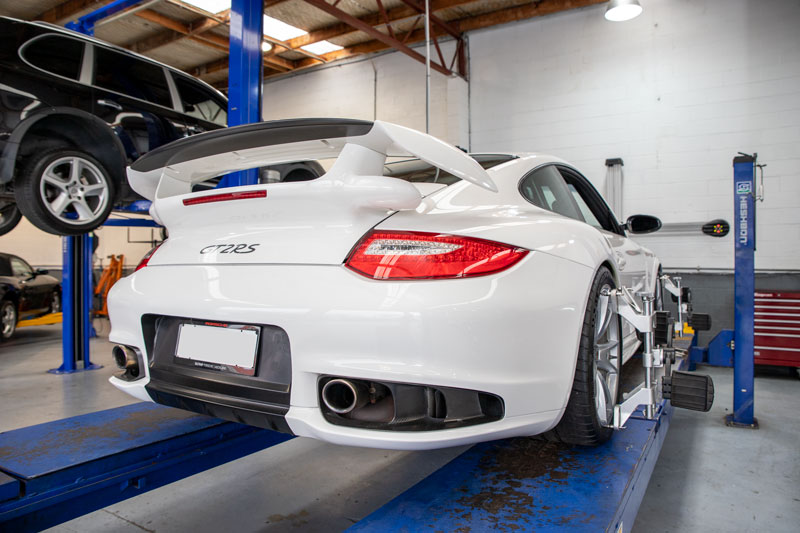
{"x":224,"y":197}
{"x":414,"y":255}
{"x":146,"y":258}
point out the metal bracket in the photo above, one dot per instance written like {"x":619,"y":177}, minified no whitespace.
{"x":673,"y":286}
{"x":640,"y":318}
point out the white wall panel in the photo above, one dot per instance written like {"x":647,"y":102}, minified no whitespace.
{"x":388,"y":87}
{"x":676,"y":93}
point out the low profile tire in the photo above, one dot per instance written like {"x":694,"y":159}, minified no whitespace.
{"x":8,"y":319}
{"x":9,"y":216}
{"x":64,"y":192}
{"x":595,"y":388}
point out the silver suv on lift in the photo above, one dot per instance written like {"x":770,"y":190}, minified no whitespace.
{"x":74,"y":112}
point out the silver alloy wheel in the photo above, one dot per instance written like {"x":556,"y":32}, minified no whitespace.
{"x":8,"y":319}
{"x":74,"y":190}
{"x":606,"y":357}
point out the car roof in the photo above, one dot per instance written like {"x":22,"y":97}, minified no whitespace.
{"x":55,"y":28}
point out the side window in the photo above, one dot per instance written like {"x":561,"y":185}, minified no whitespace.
{"x":20,"y":268}
{"x":56,"y":55}
{"x":200,"y":103}
{"x":588,"y":216}
{"x":131,"y":76}
{"x":546,"y":188}
{"x":593,"y":208}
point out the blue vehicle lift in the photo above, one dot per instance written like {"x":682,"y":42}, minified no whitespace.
{"x":57,"y":471}
{"x":734,"y":348}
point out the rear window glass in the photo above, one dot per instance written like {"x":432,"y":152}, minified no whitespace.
{"x":201,"y":103}
{"x":56,"y":55}
{"x":131,"y":76}
{"x":417,"y":171}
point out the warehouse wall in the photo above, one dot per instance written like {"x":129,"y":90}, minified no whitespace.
{"x":43,"y":250}
{"x":388,"y":87}
{"x":676,"y":93}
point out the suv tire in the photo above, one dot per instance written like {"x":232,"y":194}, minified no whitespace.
{"x":9,"y":216}
{"x":65,"y":191}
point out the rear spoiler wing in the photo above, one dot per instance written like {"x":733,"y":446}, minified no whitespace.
{"x":362,"y":149}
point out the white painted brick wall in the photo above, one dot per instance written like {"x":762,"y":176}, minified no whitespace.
{"x":676,"y":93}
{"x":350,"y":91}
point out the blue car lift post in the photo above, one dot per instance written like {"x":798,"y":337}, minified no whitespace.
{"x":60,"y":470}
{"x":735,"y":347}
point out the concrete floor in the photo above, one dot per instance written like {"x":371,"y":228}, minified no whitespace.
{"x":709,"y":477}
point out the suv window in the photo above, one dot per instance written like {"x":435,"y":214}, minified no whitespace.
{"x":20,"y":268}
{"x":55,"y":54}
{"x":546,"y":188}
{"x":200,"y":103}
{"x":131,"y":76}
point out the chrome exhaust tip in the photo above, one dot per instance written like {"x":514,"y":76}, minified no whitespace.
{"x":342,"y":395}
{"x":126,"y":359}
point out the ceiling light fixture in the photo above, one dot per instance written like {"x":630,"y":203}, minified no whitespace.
{"x":622,"y":10}
{"x":265,"y":46}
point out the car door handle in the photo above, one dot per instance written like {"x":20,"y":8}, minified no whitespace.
{"x":110,"y":103}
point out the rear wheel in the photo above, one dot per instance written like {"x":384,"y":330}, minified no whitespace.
{"x":65,"y":192}
{"x":8,"y":319}
{"x":55,"y":302}
{"x":9,"y":216}
{"x":595,"y":388}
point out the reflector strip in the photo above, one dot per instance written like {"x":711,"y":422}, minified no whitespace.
{"x":224,"y":197}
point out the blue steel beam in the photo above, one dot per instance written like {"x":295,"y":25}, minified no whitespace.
{"x":85,"y":24}
{"x":744,"y":291}
{"x":54,"y":472}
{"x":533,"y":485}
{"x":244,"y":75}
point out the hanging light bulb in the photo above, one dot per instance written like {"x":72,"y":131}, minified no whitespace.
{"x":265,"y":46}
{"x":622,"y":10}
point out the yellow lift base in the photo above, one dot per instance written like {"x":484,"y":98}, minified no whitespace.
{"x":46,"y":320}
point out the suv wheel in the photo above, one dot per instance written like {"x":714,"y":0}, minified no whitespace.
{"x":9,"y":216}
{"x":65,"y":192}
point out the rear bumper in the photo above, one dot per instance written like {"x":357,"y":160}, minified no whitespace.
{"x":514,"y":335}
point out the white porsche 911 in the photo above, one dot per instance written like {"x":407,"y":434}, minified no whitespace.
{"x":435,"y":301}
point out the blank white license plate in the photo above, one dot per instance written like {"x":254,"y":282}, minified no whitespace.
{"x":231,"y":346}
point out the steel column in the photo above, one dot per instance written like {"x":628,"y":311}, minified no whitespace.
{"x":76,"y":301}
{"x":244,"y":75}
{"x":744,"y":289}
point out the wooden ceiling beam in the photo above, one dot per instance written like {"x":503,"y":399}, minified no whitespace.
{"x":375,"y":19}
{"x":501,"y":16}
{"x":66,"y":10}
{"x":197,"y":32}
{"x":376,"y":34}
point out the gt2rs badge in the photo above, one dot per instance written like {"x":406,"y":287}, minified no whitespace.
{"x":229,"y":249}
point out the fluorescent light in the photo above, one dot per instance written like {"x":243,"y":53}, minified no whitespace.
{"x":212,"y":6}
{"x":321,"y":47}
{"x":280,"y":30}
{"x":265,"y":46}
{"x":622,"y":10}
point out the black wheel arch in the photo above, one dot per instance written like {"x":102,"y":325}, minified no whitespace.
{"x":68,"y":127}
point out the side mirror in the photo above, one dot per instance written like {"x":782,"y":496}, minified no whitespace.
{"x":643,"y":224}
{"x":40,"y":272}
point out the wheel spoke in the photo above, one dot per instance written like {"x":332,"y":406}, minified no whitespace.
{"x":60,"y":203}
{"x":82,"y":208}
{"x":75,"y":170}
{"x":603,"y":317}
{"x":55,"y":181}
{"x":94,"y":190}
{"x":606,"y":367}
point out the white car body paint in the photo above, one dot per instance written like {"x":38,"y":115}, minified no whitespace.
{"x":514,"y":334}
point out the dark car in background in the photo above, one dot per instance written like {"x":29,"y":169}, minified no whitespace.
{"x":25,"y":292}
{"x":74,"y":112}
